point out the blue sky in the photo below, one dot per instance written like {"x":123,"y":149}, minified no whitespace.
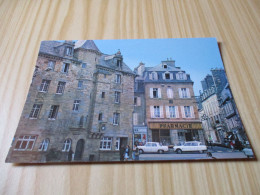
{"x":196,"y":56}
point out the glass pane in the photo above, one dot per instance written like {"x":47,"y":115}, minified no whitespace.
{"x":18,"y":144}
{"x":24,"y":145}
{"x":30,"y":145}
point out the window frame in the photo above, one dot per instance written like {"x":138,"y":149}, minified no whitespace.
{"x":118,"y":78}
{"x":117,"y":97}
{"x":60,"y":87}
{"x":54,"y":115}
{"x":22,"y":139}
{"x":33,"y":111}
{"x":67,"y":142}
{"x":104,"y":142}
{"x":76,"y":104}
{"x":44,"y":85}
{"x":116,"y":118}
{"x":44,"y":145}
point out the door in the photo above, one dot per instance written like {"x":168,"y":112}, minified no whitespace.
{"x":155,"y":136}
{"x":79,"y":149}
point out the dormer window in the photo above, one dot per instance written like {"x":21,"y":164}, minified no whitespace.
{"x":119,"y":63}
{"x":165,"y":66}
{"x":153,"y":76}
{"x":181,"y":76}
{"x":167,"y":75}
{"x":69,"y":51}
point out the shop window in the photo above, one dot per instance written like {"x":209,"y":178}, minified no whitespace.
{"x":25,"y":142}
{"x":105,"y":143}
{"x":35,"y":111}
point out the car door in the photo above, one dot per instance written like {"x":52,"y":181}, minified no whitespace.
{"x":194,"y":147}
{"x":148,"y":147}
{"x":154,"y":147}
{"x":186,"y":147}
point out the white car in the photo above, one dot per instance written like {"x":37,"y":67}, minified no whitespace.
{"x":190,"y":147}
{"x":153,"y":147}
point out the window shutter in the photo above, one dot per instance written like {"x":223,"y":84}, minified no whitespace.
{"x":163,"y":75}
{"x":183,"y":112}
{"x":150,"y":76}
{"x":188,"y":92}
{"x":151,"y":92}
{"x":171,"y":76}
{"x":63,"y":67}
{"x":180,"y":93}
{"x":167,"y":112}
{"x":156,"y":76}
{"x":168,"y":93}
{"x":192,"y":112}
{"x":138,"y":101}
{"x":161,"y":112}
{"x":177,"y":76}
{"x":152,"y":111}
{"x":177,"y":112}
{"x":159,"y":93}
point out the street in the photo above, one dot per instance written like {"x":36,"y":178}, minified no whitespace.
{"x":217,"y":152}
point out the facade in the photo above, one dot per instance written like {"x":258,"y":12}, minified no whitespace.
{"x":170,"y":105}
{"x":210,"y":111}
{"x":79,"y":106}
{"x":230,"y":115}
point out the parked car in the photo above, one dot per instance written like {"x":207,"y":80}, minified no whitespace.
{"x":248,"y":152}
{"x":153,"y":147}
{"x":190,"y":147}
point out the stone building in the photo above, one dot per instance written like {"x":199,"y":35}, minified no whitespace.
{"x":79,"y":106}
{"x":171,"y":109}
{"x":210,"y":112}
{"x":231,"y":117}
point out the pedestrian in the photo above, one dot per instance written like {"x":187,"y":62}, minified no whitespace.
{"x":232,"y":145}
{"x":136,"y":153}
{"x":133,"y":152}
{"x":127,"y":152}
{"x":122,"y":152}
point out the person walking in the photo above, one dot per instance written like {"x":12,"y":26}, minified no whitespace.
{"x":127,"y":152}
{"x":136,"y":152}
{"x":122,"y":152}
{"x":133,"y":152}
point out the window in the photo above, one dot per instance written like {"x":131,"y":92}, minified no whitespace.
{"x":181,"y":76}
{"x":60,"y":88}
{"x":44,"y":145}
{"x":53,"y":112}
{"x":116,"y":118}
{"x":170,"y":92}
{"x":165,"y":66}
{"x":154,"y":76}
{"x":167,"y":75}
{"x":66,"y":145}
{"x":155,"y":93}
{"x":119,"y":63}
{"x":44,"y":86}
{"x":51,"y":65}
{"x":184,"y":92}
{"x":135,"y":101}
{"x":172,"y":112}
{"x":84,"y":65}
{"x":187,"y":111}
{"x":80,"y":84}
{"x":76,"y":105}
{"x":25,"y":142}
{"x":135,"y":118}
{"x":100,"y":116}
{"x":69,"y":51}
{"x":35,"y":110}
{"x":105,"y":143}
{"x":65,"y":68}
{"x":117,"y":143}
{"x":117,"y":97}
{"x":103,"y":94}
{"x":156,"y":111}
{"x":118,"y":78}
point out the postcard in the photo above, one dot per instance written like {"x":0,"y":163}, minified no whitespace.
{"x":139,"y":100}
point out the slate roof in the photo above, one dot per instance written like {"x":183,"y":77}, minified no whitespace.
{"x":107,"y":62}
{"x":86,"y":44}
{"x":48,"y":47}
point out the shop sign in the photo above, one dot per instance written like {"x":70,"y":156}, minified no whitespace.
{"x":175,"y":126}
{"x":140,"y":129}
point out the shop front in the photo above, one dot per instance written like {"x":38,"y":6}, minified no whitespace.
{"x":175,"y":133}
{"x":140,"y":135}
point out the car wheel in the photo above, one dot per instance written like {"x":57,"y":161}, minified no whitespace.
{"x":141,"y":151}
{"x":178,"y":151}
{"x":160,"y":151}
